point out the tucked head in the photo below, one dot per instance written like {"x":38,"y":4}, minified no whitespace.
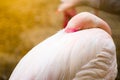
{"x":86,"y":20}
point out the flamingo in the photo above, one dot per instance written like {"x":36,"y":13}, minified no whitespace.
{"x":68,"y":7}
{"x":84,"y":50}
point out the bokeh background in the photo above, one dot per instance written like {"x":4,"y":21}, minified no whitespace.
{"x":25,"y":23}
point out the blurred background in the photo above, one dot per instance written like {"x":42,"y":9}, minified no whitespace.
{"x":25,"y":23}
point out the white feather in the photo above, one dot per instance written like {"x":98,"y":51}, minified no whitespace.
{"x":67,"y":56}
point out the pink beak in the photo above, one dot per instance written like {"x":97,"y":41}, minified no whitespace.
{"x":70,"y":30}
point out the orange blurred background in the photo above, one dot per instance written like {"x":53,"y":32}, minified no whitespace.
{"x":25,"y":23}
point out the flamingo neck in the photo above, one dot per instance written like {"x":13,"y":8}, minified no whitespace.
{"x":68,"y":14}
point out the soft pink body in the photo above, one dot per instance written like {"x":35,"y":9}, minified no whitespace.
{"x":87,"y":54}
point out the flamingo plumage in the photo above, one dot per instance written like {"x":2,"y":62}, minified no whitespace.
{"x":84,"y":53}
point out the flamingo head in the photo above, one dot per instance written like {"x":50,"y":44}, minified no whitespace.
{"x":86,"y":20}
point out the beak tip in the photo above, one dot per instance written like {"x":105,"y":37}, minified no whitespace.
{"x":70,"y":30}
